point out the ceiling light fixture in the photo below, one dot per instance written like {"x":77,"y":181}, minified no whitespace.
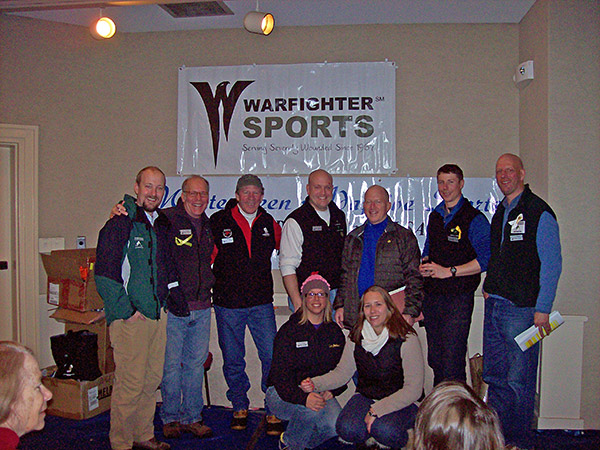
{"x":103,"y":28}
{"x":259,"y":22}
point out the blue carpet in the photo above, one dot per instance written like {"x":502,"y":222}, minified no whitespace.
{"x":92,"y":434}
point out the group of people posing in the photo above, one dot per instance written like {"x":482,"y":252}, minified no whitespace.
{"x":160,"y":271}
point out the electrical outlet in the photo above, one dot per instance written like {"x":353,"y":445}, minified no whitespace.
{"x":80,"y":241}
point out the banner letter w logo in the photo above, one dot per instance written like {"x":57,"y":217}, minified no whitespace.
{"x":212,"y":102}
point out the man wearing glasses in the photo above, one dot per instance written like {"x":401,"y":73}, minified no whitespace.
{"x":380,"y":252}
{"x":188,"y":321}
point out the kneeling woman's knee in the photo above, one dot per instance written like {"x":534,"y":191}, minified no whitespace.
{"x":350,"y":429}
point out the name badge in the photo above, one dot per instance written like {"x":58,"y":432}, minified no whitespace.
{"x":452,"y":238}
{"x":186,"y":232}
{"x":228,"y":240}
{"x":516,"y":237}
{"x":302,"y":344}
{"x":317,"y":228}
{"x":517,"y":226}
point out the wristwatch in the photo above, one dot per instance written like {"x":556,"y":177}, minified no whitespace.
{"x":372,"y":414}
{"x":453,"y":271}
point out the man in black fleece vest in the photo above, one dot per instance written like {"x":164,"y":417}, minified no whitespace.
{"x":457,"y":250}
{"x":312,"y":239}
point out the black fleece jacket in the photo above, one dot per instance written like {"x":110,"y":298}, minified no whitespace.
{"x":301,"y":351}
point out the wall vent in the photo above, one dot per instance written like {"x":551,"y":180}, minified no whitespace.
{"x":197,"y":9}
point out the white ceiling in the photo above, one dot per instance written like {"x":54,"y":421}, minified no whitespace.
{"x":143,"y":18}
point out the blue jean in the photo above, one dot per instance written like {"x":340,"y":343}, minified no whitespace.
{"x":510,"y":373}
{"x":306,"y":428}
{"x":231,"y":327}
{"x":448,"y":321}
{"x":391,"y":429}
{"x":186,"y":352}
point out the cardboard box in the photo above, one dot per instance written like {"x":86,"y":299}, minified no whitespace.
{"x":78,"y":399}
{"x":84,"y":317}
{"x":71,"y":282}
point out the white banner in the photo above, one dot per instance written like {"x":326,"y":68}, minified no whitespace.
{"x":412,"y":198}
{"x":287,"y":119}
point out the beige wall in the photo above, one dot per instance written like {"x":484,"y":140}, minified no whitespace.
{"x":559,"y":131}
{"x":573,"y":169}
{"x":105,"y":109}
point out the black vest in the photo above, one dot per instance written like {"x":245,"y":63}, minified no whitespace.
{"x":514,"y":269}
{"x":381,"y":375}
{"x":322,"y":246}
{"x":450,"y":246}
{"x":242,"y":281}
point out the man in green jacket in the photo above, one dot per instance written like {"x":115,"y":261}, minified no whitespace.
{"x":131,"y":276}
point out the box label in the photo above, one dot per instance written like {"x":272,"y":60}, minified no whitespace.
{"x":93,"y":398}
{"x":53,"y":291}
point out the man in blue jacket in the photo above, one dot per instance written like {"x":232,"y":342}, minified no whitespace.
{"x":131,"y":276}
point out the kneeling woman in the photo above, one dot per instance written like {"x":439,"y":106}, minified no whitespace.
{"x":308,"y":344}
{"x":385,"y":351}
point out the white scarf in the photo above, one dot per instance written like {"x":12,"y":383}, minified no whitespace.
{"x":371,"y":341}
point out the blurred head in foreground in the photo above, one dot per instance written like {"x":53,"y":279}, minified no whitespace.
{"x":453,"y":417}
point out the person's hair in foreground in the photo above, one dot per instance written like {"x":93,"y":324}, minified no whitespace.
{"x":12,"y":362}
{"x":395,"y":323}
{"x":453,"y":417}
{"x":22,"y":396}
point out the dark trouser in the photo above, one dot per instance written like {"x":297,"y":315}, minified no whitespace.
{"x":391,"y":429}
{"x":447,"y":322}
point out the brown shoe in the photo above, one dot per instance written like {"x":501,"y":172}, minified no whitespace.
{"x":172,"y":430}
{"x":240,"y":420}
{"x":152,"y":444}
{"x":198,"y":429}
{"x":274,"y":426}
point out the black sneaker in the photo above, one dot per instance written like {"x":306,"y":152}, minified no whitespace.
{"x":274,"y":426}
{"x":240,"y":420}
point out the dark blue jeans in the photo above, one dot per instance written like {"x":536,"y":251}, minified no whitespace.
{"x":510,"y":373}
{"x":231,"y":328}
{"x":447,"y":321}
{"x":391,"y":429}
{"x":186,"y":351}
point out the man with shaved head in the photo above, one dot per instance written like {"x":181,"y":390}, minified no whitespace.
{"x":380,"y":252}
{"x":312,"y":239}
{"x":519,"y":290}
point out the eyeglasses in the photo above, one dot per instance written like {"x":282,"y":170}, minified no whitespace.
{"x":195,"y":194}
{"x":316,"y":294}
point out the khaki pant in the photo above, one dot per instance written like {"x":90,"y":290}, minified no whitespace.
{"x":139,"y":352}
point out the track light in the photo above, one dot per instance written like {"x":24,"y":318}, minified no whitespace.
{"x":259,"y":22}
{"x":103,"y":28}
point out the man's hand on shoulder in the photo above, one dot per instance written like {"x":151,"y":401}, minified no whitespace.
{"x":118,"y":210}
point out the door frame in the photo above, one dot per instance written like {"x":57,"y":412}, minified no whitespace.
{"x":24,"y":139}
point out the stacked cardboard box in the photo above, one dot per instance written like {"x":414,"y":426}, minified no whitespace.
{"x":72,"y":289}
